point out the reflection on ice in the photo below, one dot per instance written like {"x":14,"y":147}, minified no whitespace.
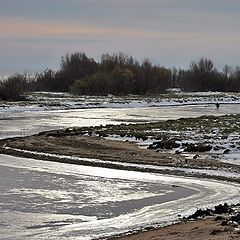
{"x":26,"y":123}
{"x":47,"y":200}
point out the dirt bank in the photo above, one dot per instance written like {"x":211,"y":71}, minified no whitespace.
{"x":198,"y":230}
{"x":100,"y":148}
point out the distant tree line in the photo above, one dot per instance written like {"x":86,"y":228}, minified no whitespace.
{"x":120,"y":74}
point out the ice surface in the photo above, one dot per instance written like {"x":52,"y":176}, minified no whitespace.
{"x":50,"y":200}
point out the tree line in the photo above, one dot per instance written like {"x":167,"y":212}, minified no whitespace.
{"x":120,"y":74}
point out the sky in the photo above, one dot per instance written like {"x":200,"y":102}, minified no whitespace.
{"x":34,"y":34}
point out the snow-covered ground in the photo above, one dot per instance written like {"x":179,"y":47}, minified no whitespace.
{"x":225,"y":150}
{"x":64,"y":101}
{"x":219,"y":136}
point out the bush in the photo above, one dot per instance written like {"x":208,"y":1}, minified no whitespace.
{"x":13,"y":88}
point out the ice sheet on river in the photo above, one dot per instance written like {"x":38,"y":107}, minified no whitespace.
{"x":28,"y":123}
{"x":47,"y":200}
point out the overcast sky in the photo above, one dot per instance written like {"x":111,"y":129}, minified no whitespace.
{"x":34,"y":34}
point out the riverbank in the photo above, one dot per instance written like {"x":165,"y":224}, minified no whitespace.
{"x":92,"y":146}
{"x":220,"y":223}
{"x":96,"y":151}
{"x":202,"y":229}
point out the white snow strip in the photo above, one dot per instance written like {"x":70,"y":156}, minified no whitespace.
{"x":206,"y":172}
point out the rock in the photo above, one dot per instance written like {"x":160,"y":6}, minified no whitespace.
{"x":197,"y":148}
{"x":144,"y":138}
{"x":164,"y":144}
{"x":220,"y":209}
{"x":224,"y":137}
{"x":226,"y":151}
{"x":151,"y":146}
{"x":67,"y":130}
{"x":201,"y":213}
{"x":235,"y":218}
{"x":232,"y":223}
{"x":178,"y":151}
{"x":217,"y":148}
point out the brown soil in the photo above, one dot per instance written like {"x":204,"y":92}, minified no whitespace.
{"x":204,"y":229}
{"x":99,"y":148}
{"x":89,"y":147}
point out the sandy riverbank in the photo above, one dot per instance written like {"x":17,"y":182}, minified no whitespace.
{"x":109,"y":150}
{"x":198,"y":230}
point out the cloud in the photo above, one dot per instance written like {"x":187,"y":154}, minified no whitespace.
{"x":25,"y":28}
{"x":32,"y":28}
{"x":11,"y":28}
{"x":17,"y":28}
{"x":172,"y":32}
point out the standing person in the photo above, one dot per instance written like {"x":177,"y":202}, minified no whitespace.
{"x":217,"y":105}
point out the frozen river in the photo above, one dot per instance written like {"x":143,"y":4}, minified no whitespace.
{"x":42,"y":200}
{"x":46,"y":200}
{"x":29,"y":122}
